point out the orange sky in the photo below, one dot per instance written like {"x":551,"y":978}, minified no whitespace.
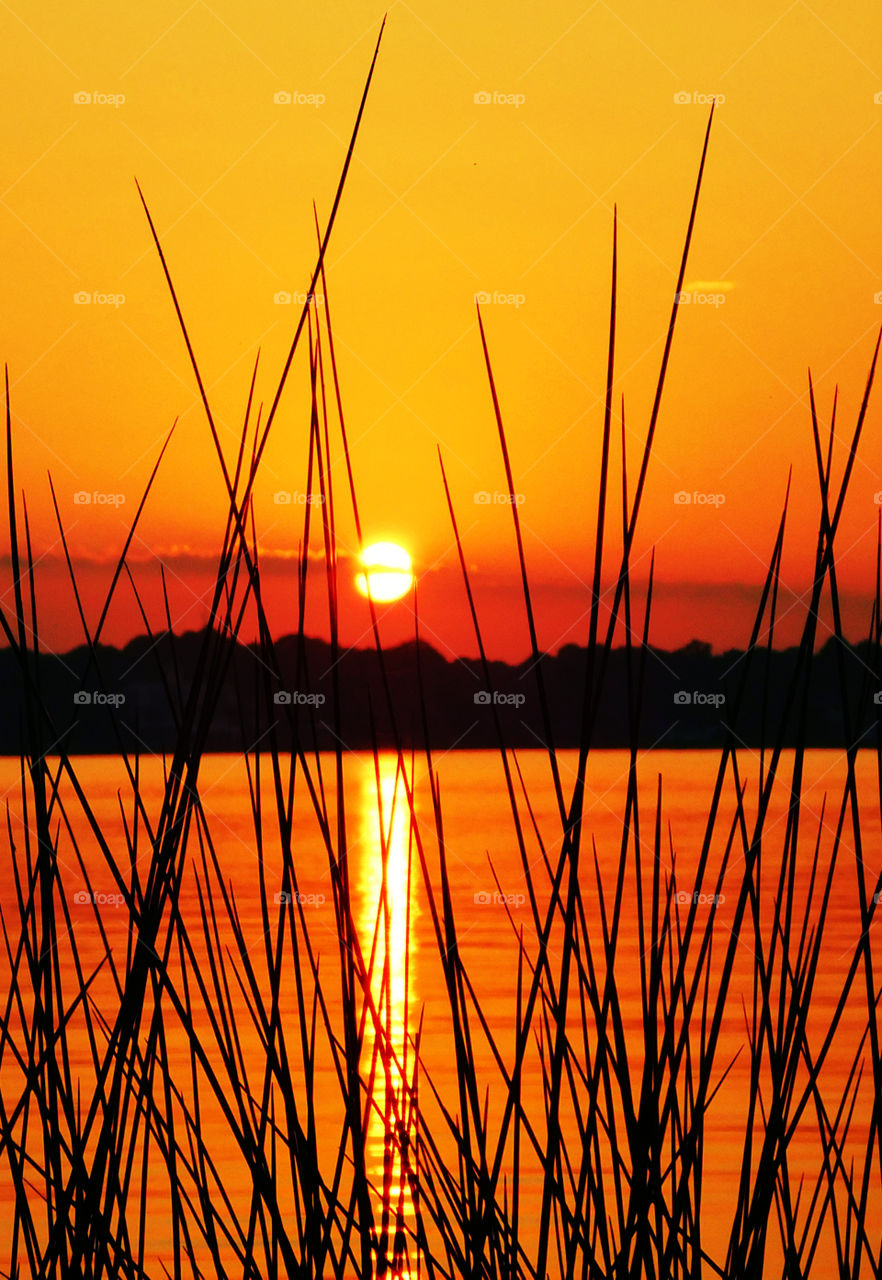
{"x":448,"y":196}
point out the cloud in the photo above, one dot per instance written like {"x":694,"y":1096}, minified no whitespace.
{"x":709,"y":286}
{"x":178,"y":557}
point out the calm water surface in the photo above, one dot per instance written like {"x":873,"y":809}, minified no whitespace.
{"x":488,"y":891}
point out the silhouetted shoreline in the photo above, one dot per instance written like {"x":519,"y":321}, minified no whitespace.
{"x":689,"y":697}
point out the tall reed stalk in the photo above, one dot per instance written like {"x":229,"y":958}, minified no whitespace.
{"x":144,"y":1059}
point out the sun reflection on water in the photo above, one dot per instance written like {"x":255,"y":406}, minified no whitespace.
{"x":386,"y":921}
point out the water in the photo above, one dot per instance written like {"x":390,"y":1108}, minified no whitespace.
{"x":488,"y":893}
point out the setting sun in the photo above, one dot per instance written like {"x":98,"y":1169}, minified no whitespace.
{"x":386,"y":572}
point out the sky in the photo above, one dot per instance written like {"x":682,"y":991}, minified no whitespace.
{"x":496,"y":141}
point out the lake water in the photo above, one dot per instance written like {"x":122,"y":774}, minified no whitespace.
{"x":490,"y":902}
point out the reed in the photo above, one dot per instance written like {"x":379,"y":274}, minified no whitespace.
{"x":140,"y":1060}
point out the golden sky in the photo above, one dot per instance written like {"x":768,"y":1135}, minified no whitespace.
{"x":450,"y":195}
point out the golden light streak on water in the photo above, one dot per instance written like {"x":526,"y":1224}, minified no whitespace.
{"x":386,"y":925}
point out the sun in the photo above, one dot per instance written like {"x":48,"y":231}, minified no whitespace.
{"x":386,"y":572}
